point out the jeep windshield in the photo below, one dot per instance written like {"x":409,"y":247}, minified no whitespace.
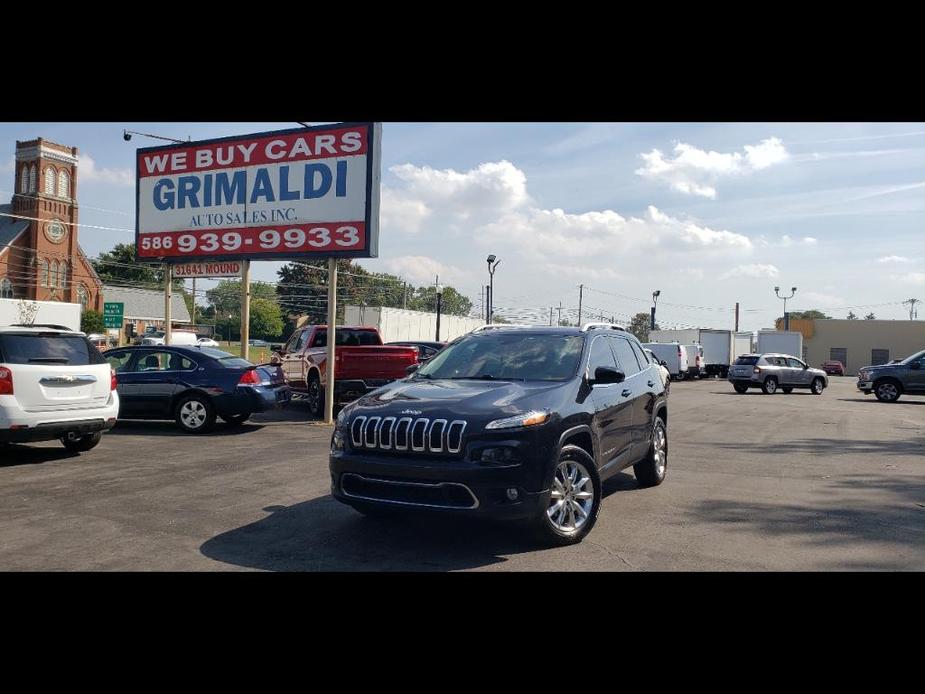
{"x":514,"y":356}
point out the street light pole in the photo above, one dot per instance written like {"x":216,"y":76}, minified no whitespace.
{"x":655,"y":296}
{"x":793,"y":291}
{"x":492,"y":264}
{"x":439,"y":306}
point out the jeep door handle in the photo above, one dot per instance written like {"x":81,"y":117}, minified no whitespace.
{"x":626,"y":393}
{"x":650,"y":383}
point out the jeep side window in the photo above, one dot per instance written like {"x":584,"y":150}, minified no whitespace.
{"x":600,"y":355}
{"x":625,"y":358}
{"x":641,"y":356}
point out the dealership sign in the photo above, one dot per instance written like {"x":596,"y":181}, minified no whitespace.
{"x":230,"y":268}
{"x":288,"y":194}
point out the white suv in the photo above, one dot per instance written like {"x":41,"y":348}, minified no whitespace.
{"x":54,"y":384}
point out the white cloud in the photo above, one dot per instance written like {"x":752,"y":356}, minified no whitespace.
{"x":913,"y":278}
{"x":421,"y":270}
{"x":820,"y":299}
{"x":401,"y":213}
{"x":695,"y":172}
{"x":87,"y":171}
{"x":895,"y":259}
{"x":786,"y":242}
{"x":754,"y":270}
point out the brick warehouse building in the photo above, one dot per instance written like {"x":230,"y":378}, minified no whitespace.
{"x":40,"y":257}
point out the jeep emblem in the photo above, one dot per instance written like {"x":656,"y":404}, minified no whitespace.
{"x":411,"y":412}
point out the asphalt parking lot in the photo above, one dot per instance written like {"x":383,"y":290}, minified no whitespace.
{"x":755,"y":482}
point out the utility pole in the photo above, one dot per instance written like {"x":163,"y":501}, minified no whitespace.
{"x":581,"y":290}
{"x":737,"y":316}
{"x":404,"y":301}
{"x":551,"y":309}
{"x":168,"y":304}
{"x":912,"y":312}
{"x":246,"y":309}
{"x":560,"y":315}
{"x":194,"y":303}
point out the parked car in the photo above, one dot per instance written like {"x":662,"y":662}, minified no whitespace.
{"x":361,"y":363}
{"x":674,"y":355}
{"x":426,"y":350}
{"x":194,"y":385}
{"x":833,"y":368}
{"x":54,"y":384}
{"x":205,"y":342}
{"x":889,"y":381}
{"x":772,"y":371}
{"x":519,"y":423}
{"x":177,"y":337}
{"x":258,"y":343}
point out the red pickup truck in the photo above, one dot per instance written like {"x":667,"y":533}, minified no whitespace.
{"x":361,"y":363}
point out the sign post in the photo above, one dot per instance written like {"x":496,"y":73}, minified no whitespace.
{"x":332,"y":338}
{"x":246,"y":310}
{"x":168,"y":301}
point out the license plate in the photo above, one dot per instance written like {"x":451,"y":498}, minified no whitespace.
{"x":72,"y":393}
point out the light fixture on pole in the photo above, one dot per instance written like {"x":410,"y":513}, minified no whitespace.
{"x":439,"y":306}
{"x":655,"y":296}
{"x":127,"y":135}
{"x":492,"y":264}
{"x":793,"y":290}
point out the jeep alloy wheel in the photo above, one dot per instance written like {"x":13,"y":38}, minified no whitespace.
{"x":572,"y":497}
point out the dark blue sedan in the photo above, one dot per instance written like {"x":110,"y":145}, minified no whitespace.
{"x":193,"y":385}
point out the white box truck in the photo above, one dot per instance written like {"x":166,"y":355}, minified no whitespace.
{"x":401,"y":325}
{"x":781,"y":341}
{"x":742,"y":345}
{"x":18,"y":311}
{"x":717,"y":346}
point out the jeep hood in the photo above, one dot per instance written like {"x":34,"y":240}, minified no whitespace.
{"x":462,"y":398}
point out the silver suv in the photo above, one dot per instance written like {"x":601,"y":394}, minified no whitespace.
{"x":772,"y":371}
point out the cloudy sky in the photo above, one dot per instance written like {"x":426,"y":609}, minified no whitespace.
{"x":709,"y":214}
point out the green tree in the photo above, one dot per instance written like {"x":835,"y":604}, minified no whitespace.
{"x":266,"y":319}
{"x":640,"y":326}
{"x":870,"y":316}
{"x":851,"y":316}
{"x":91,"y":322}
{"x":452,"y":303}
{"x":120,"y":265}
{"x":812,"y":313}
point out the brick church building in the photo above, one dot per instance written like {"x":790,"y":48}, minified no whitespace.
{"x":40,"y":258}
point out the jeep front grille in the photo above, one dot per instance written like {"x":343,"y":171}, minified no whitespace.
{"x":421,"y":435}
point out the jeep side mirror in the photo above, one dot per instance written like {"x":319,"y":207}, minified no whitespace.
{"x":411,"y":369}
{"x":805,"y":366}
{"x":607,"y":374}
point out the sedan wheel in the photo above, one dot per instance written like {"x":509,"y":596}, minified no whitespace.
{"x":195,"y":414}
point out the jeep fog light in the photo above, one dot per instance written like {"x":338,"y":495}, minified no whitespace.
{"x":512,"y":493}
{"x":497,"y":454}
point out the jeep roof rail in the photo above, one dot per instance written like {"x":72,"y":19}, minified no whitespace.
{"x":499,"y":326}
{"x":605,"y":326}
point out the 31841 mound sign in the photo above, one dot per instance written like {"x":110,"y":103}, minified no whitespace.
{"x":279,"y":195}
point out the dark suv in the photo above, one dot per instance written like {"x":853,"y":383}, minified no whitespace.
{"x":889,"y":381}
{"x":512,"y":422}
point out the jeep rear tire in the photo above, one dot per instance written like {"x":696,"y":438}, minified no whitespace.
{"x":651,"y":471}
{"x":769,"y":387}
{"x":574,"y":500}
{"x":740,"y":389}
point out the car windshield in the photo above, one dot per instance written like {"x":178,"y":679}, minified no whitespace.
{"x":746,"y":361}
{"x":507,"y":356}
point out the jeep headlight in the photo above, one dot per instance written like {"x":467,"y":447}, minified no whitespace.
{"x":527,"y":419}
{"x":341,"y":420}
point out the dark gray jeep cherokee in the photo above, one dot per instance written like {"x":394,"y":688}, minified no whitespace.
{"x":513,"y":422}
{"x":889,"y":381}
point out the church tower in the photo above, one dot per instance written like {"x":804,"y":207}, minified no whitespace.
{"x":47,"y":190}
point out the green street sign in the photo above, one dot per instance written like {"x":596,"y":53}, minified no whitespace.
{"x":113,"y":314}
